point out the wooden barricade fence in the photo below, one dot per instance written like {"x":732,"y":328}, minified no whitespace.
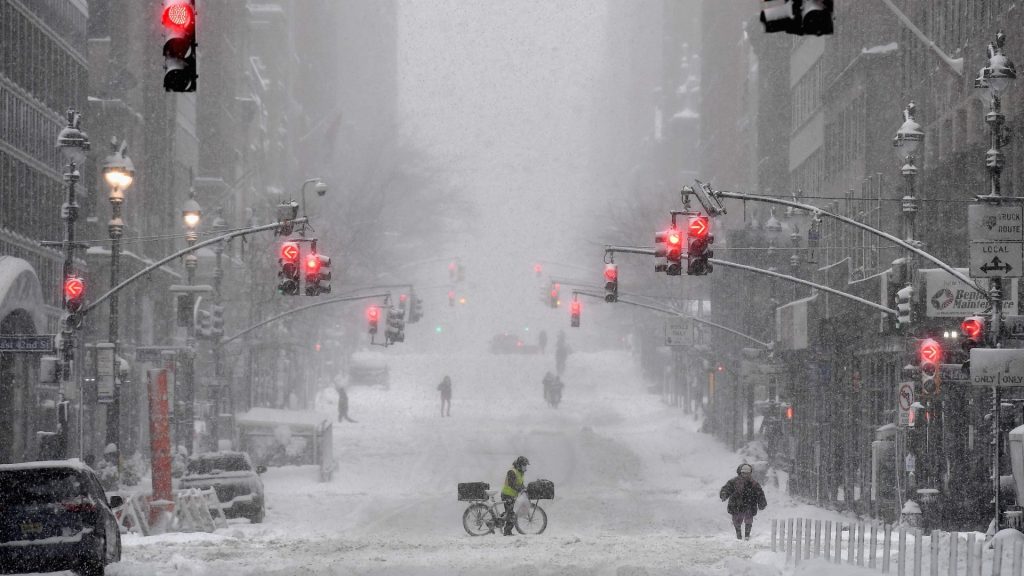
{"x":948,"y":553}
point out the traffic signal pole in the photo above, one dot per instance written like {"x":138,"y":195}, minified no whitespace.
{"x":819,"y":212}
{"x":351,"y":298}
{"x":727,"y":264}
{"x":677,"y":314}
{"x":190,"y":249}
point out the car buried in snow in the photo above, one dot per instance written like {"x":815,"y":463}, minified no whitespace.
{"x":232,"y":475}
{"x":55,"y":516}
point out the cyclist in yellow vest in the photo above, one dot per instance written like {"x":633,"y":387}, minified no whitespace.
{"x":514,"y":484}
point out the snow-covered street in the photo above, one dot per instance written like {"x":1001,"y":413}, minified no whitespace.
{"x":636,"y":484}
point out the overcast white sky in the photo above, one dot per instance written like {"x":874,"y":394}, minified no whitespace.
{"x":504,"y":94}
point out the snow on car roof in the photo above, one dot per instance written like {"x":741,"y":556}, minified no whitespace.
{"x":73,"y":463}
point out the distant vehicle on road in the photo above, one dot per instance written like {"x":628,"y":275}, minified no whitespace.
{"x":238,"y":484}
{"x":368,"y":369}
{"x":55,"y":516}
{"x":508,"y":343}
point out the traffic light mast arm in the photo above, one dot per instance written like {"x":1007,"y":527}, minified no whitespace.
{"x":671,"y":312}
{"x":629,"y":250}
{"x":840,"y":293}
{"x":300,"y":309}
{"x":885,"y":309}
{"x":180,"y":253}
{"x":818,"y":211}
{"x":575,"y":283}
{"x":955,"y":64}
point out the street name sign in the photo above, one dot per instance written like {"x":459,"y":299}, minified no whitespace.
{"x":996,"y":259}
{"x":953,"y":373}
{"x":995,"y":223}
{"x":31,"y":343}
{"x":1002,"y":367}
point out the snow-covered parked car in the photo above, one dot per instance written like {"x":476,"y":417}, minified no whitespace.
{"x":55,"y":516}
{"x":238,"y":484}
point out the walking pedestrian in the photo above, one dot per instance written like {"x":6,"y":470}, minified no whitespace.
{"x":446,"y":396}
{"x":745,"y":498}
{"x":343,"y":406}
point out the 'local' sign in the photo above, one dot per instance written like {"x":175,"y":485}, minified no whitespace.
{"x":996,"y":259}
{"x":1002,"y":367}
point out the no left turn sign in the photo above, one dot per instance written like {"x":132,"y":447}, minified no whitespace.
{"x":906,"y":396}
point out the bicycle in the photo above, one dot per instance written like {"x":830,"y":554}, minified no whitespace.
{"x":484,"y":516}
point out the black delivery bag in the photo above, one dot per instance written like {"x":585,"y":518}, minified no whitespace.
{"x":540,"y":490}
{"x":473,"y":490}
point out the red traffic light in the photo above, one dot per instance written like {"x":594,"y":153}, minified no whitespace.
{"x":372,"y":313}
{"x":179,"y":14}
{"x":789,"y":412}
{"x":312,"y":264}
{"x":74,"y":287}
{"x":930,"y":351}
{"x":674,"y":238}
{"x":537,"y":268}
{"x":611,"y":272}
{"x":575,"y":307}
{"x":402,"y":297}
{"x":699,"y":227}
{"x":290,"y":252}
{"x":972,"y":328}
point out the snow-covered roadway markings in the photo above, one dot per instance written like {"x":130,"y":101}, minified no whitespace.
{"x":636,"y":485}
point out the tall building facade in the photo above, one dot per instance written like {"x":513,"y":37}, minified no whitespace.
{"x":43,"y":71}
{"x":831,"y":107}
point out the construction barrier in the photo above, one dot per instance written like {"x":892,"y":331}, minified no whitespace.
{"x":198,"y":510}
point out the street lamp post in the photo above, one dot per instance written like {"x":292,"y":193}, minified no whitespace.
{"x":222,"y":388}
{"x":191,"y":215}
{"x":996,"y":77}
{"x":73,"y":144}
{"x":119,"y":172}
{"x":908,"y":139}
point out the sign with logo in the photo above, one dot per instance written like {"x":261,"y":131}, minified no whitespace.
{"x":1002,"y":367}
{"x":996,"y":259}
{"x":995,"y":223}
{"x":37,"y":343}
{"x":905,"y":396}
{"x":948,"y":297}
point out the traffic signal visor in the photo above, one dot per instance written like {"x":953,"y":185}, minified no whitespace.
{"x":74,"y":293}
{"x":290,"y":252}
{"x":973,"y":330}
{"x":930,"y":351}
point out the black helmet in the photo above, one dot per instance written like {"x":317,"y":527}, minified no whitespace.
{"x":521,"y":462}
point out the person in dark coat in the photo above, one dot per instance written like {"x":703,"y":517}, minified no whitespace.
{"x":745,"y":498}
{"x":446,"y":395}
{"x":343,"y":405}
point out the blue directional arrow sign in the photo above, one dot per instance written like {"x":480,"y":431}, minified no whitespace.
{"x":30,"y":343}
